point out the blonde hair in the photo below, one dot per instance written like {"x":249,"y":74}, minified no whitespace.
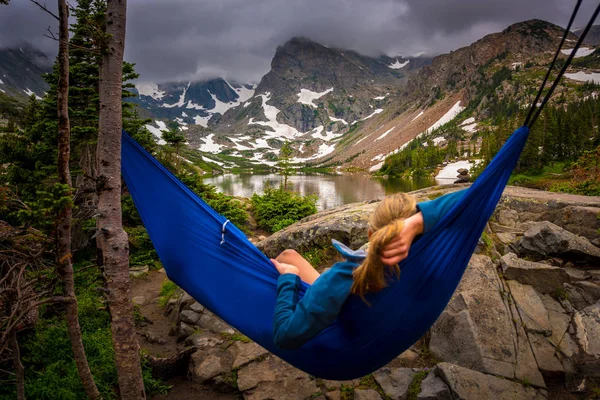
{"x":385,"y":223}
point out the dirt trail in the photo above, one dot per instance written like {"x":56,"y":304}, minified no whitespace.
{"x":153,"y":337}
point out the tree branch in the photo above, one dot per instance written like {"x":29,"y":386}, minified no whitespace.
{"x":43,"y":7}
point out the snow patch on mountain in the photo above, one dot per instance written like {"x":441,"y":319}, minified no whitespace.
{"x":381,"y":97}
{"x":181,"y":101}
{"x":307,"y":96}
{"x":149,"y":89}
{"x":1,"y":83}
{"x":157,"y":132}
{"x":585,"y":77}
{"x":385,"y":134}
{"x":378,"y":111}
{"x":209,"y":145}
{"x":334,"y":119}
{"x":581,"y":52}
{"x":449,"y":116}
{"x":280,"y":130}
{"x":421,"y":113}
{"x":30,"y":92}
{"x":398,"y":64}
{"x":202,"y":121}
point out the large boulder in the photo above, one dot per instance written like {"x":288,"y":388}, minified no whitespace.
{"x":434,"y":388}
{"x":544,"y":278}
{"x":348,"y":224}
{"x":544,"y":239}
{"x":476,"y":329}
{"x":467,"y":384}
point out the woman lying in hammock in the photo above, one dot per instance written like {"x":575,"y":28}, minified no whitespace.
{"x":395,"y":223}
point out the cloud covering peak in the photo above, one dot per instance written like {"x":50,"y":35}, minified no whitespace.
{"x":236,"y":39}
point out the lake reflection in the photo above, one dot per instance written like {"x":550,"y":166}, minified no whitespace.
{"x":331,"y":190}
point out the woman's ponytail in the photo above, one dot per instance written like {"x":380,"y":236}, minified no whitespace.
{"x":386,"y":222}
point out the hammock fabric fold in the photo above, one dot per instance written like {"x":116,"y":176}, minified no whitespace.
{"x":238,"y":283}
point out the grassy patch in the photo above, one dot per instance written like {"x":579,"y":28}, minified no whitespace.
{"x":317,"y":257}
{"x":369,"y":382}
{"x":236,"y":337}
{"x":167,"y":291}
{"x":346,"y":392}
{"x":415,"y":386}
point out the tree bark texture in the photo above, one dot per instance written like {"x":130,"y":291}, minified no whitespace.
{"x":113,"y":239}
{"x":63,"y":231}
{"x":17,"y":365}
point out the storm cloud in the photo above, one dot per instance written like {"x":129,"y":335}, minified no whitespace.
{"x":201,"y":39}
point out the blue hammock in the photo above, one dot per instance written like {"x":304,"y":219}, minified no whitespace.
{"x":238,"y":283}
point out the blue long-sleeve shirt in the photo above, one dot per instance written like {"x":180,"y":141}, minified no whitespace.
{"x":297,"y":321}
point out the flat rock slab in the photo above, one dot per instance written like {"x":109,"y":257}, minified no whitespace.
{"x":467,"y":384}
{"x":275,"y":379}
{"x":204,"y":367}
{"x":531,"y":308}
{"x":587,"y":323}
{"x":434,"y":388}
{"x":545,"y":239}
{"x":243,"y":353}
{"x":395,"y":381}
{"x":476,"y":328}
{"x":543,"y":277}
{"x":366,"y":394}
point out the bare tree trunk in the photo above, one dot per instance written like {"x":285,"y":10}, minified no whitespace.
{"x":113,"y":240}
{"x":19,"y":370}
{"x":63,"y":231}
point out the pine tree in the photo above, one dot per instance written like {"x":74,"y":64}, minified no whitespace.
{"x":284,"y":163}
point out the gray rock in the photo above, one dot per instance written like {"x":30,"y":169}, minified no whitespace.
{"x":347,"y":224}
{"x":197,"y":307}
{"x":189,"y":317}
{"x":203,"y":341}
{"x":476,"y":328}
{"x":467,"y":384}
{"x":578,"y":297}
{"x":591,"y":288}
{"x":462,"y":171}
{"x":394,"y":381}
{"x":576,"y":274}
{"x":559,"y":324}
{"x":580,"y":220}
{"x":244,"y":353}
{"x":408,"y":356}
{"x":205,"y":367}
{"x":546,"y":356}
{"x":181,"y":331}
{"x":335,"y":395}
{"x":275,"y":379}
{"x":434,"y":388}
{"x":544,"y":278}
{"x":366,"y":394}
{"x":587,"y":327}
{"x":162,"y":271}
{"x":507,"y":217}
{"x":544,"y":239}
{"x":138,"y":271}
{"x":331,"y":385}
{"x":531,"y":308}
{"x":213,"y":323}
{"x":139,"y":300}
{"x":527,"y":368}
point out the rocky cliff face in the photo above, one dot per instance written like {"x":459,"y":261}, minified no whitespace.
{"x":21,"y":70}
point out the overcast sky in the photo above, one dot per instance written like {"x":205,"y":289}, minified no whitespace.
{"x":200,"y":39}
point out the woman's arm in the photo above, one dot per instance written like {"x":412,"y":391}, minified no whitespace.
{"x":297,"y":321}
{"x":430,"y":212}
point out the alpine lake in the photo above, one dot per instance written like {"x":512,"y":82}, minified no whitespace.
{"x":331,"y":190}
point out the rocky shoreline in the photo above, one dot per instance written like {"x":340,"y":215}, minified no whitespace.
{"x":523,"y":324}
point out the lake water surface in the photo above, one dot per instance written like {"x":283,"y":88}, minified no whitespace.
{"x":331,"y":190}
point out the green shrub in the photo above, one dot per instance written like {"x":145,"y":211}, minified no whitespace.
{"x":278,"y":208}
{"x":228,"y":206}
